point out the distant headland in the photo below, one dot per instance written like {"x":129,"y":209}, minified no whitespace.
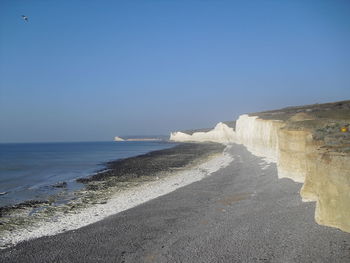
{"x":119,"y":139}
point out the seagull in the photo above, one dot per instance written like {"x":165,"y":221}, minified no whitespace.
{"x":25,"y":18}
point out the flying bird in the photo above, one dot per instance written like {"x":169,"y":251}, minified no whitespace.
{"x":25,"y":18}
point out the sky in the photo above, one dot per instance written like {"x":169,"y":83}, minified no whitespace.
{"x":91,"y":70}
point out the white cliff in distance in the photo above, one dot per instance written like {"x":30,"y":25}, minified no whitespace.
{"x":222,"y":133}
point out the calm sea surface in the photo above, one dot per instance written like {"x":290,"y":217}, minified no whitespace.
{"x":29,"y":170}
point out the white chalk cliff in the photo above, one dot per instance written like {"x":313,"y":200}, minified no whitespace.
{"x":325,"y":175}
{"x":259,"y":136}
{"x":221,"y":134}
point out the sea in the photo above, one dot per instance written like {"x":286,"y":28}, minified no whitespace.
{"x":32,"y":171}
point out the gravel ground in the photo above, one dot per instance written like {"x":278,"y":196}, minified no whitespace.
{"x":242,"y":213}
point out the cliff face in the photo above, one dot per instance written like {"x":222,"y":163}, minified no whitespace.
{"x":259,"y":136}
{"x":324,"y":171}
{"x":221,"y":134}
{"x":268,"y":138}
{"x":293,"y":149}
{"x":327,"y":182}
{"x":310,"y":144}
{"x":300,"y":156}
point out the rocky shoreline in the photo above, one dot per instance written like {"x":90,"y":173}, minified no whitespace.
{"x":118,"y":176}
{"x":153,"y":162}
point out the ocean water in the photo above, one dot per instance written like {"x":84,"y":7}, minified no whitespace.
{"x":29,"y":171}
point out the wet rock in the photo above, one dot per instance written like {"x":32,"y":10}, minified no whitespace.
{"x":27,"y":204}
{"x":92,"y":187}
{"x":60,"y":185}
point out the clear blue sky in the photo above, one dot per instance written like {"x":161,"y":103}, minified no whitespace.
{"x":91,"y":70}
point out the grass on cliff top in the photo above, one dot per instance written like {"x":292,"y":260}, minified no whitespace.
{"x":323,"y":120}
{"x":334,"y":111}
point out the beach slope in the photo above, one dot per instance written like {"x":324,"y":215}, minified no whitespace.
{"x":241,"y":213}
